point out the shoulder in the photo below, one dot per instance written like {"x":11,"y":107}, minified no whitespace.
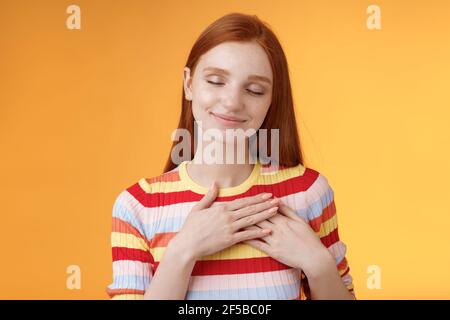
{"x":143,"y":187}
{"x":319,"y":197}
{"x":155,"y":184}
{"x":300,"y":178}
{"x":132,"y":199}
{"x":309,"y":183}
{"x":320,"y":184}
{"x":131,"y":204}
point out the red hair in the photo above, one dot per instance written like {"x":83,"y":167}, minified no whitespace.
{"x":280,"y":115}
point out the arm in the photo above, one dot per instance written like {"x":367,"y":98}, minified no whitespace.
{"x":133,"y":264}
{"x":132,"y":261}
{"x":172,"y":276}
{"x":326,"y":283}
{"x":330,"y":278}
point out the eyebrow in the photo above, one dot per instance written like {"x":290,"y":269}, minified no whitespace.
{"x":227,"y":73}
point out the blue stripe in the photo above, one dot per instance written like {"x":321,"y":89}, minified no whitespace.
{"x":130,"y":282}
{"x":123,"y":213}
{"x":315,"y":209}
{"x":166,"y":225}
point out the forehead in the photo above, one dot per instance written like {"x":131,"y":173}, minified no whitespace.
{"x":239,"y":58}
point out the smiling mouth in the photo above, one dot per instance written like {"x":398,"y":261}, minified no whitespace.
{"x":227,"y":119}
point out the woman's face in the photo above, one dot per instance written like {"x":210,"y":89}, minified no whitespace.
{"x":231,"y":87}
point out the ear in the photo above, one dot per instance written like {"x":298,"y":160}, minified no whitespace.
{"x":187,"y":82}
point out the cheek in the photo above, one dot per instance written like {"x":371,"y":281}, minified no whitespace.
{"x":202,"y":104}
{"x":203,"y":99}
{"x":259,"y":112}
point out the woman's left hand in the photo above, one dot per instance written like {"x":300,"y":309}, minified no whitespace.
{"x":292,"y":241}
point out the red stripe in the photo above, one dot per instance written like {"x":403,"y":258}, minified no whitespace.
{"x":121,"y":226}
{"x":280,"y":189}
{"x":162,"y":239}
{"x":346,"y":271}
{"x":327,"y":213}
{"x":138,"y":193}
{"x":343,"y":264}
{"x":235,"y":266}
{"x":122,"y":253}
{"x":331,"y":238}
{"x":165,"y":177}
{"x":114,"y":292}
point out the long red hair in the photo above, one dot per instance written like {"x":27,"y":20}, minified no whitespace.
{"x":280,"y":115}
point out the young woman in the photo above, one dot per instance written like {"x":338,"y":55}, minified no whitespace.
{"x":240,"y":230}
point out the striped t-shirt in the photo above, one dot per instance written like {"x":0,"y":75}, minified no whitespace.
{"x":149,"y":213}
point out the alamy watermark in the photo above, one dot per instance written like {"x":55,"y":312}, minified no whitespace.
{"x":230,"y":147}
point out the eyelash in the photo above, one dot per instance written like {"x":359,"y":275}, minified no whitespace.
{"x":252,"y":92}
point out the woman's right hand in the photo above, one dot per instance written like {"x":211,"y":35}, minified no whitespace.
{"x":208,"y":230}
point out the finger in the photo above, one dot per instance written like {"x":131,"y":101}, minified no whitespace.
{"x":265,"y":224}
{"x":250,"y":234}
{"x":279,"y":219}
{"x":253,"y":219}
{"x":244,"y":202}
{"x":254,"y":209}
{"x":254,"y":227}
{"x":208,"y":198}
{"x":266,"y":239}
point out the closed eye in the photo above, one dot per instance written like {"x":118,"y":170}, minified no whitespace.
{"x":257,"y":93}
{"x":251,"y":91}
{"x":214,"y":82}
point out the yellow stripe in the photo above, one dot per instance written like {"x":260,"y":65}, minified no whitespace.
{"x":128,"y":240}
{"x":328,"y":226}
{"x":350,"y":286}
{"x":263,"y":179}
{"x":238,"y":251}
{"x":223,"y":192}
{"x":163,"y":186}
{"x":128,"y":297}
{"x":281,"y":175}
{"x":343,"y":268}
{"x":145,"y":185}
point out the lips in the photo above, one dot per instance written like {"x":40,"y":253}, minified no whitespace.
{"x":227,"y":118}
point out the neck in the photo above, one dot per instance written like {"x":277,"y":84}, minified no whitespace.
{"x":225,"y":174}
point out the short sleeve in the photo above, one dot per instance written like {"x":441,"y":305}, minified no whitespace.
{"x":132,"y":262}
{"x":322,"y":218}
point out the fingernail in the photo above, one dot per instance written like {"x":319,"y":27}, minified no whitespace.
{"x":266,"y":196}
{"x":266,"y":231}
{"x":274,"y":201}
{"x":212,"y":184}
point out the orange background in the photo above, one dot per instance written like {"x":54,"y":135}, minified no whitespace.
{"x":86,"y":113}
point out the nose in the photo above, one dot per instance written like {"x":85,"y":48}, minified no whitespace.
{"x":232,"y":99}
